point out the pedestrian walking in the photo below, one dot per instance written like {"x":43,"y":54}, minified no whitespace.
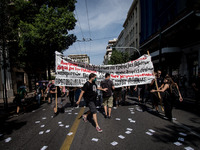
{"x":99,"y":96}
{"x":89,"y":91}
{"x":117,"y":96}
{"x":140,"y":90}
{"x":21,"y":93}
{"x":49,"y":96}
{"x":44,"y":87}
{"x":71,"y":95}
{"x":124,"y":94}
{"x":169,"y":93}
{"x":39,"y":93}
{"x":107,"y":95}
{"x":77,"y":94}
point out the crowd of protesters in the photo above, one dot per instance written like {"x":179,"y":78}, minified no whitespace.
{"x":164,"y":91}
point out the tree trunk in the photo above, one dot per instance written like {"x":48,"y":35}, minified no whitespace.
{"x":49,"y":72}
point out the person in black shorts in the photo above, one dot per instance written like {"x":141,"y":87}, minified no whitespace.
{"x":90,"y":96}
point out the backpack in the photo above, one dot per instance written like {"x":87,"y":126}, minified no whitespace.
{"x":21,"y":92}
{"x":174,"y":91}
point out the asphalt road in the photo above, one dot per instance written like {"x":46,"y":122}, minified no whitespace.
{"x":37,"y":129}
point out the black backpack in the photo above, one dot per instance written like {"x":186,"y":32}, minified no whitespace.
{"x":174,"y":91}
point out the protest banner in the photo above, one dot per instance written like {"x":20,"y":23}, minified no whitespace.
{"x":75,"y":74}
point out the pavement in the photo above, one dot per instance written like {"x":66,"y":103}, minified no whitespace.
{"x":133,"y":126}
{"x":12,"y":106}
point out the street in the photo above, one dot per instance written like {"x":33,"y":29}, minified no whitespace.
{"x":133,"y":126}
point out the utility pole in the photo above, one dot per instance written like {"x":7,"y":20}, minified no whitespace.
{"x":4,"y":52}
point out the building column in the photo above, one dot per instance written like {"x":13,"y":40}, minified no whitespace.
{"x":199,"y":60}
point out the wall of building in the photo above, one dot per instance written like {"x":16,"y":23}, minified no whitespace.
{"x":108,"y":53}
{"x":155,"y":14}
{"x":80,"y":58}
{"x":130,"y":36}
{"x":8,"y":79}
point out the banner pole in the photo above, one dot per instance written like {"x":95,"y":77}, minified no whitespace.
{"x":159,"y":96}
{"x":56,"y":100}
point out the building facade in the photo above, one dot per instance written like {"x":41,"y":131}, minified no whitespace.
{"x":9,"y":85}
{"x":130,"y":35}
{"x":83,"y":58}
{"x":170,"y":31}
{"x":109,"y":48}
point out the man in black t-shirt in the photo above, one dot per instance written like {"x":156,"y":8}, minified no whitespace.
{"x":107,"y":96}
{"x":90,"y":96}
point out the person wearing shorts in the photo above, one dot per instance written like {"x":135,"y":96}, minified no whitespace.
{"x":89,"y":92}
{"x":117,"y":96}
{"x":140,"y":90}
{"x":107,"y":95}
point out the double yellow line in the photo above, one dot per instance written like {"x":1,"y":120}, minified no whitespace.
{"x":69,"y":139}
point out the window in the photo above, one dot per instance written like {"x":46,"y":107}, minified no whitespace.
{"x":135,"y":12}
{"x":126,"y":39}
{"x":136,"y":28}
{"x":131,"y":34}
{"x":136,"y":43}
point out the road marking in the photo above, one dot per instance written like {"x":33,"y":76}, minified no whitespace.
{"x":69,"y":139}
{"x":95,"y":139}
{"x":8,"y":139}
{"x":114,"y":143}
{"x":177,"y":143}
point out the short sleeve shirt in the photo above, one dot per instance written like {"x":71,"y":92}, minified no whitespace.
{"x":90,"y":90}
{"x":53,"y":89}
{"x":107,"y":84}
{"x":159,"y":81}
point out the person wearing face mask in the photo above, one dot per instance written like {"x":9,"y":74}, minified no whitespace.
{"x":168,"y":96}
{"x":89,"y":91}
{"x":107,"y":96}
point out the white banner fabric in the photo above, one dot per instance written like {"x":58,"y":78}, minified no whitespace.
{"x":75,"y":74}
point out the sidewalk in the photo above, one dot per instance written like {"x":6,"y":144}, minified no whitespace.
{"x":11,"y":106}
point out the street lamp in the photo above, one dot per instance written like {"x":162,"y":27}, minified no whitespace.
{"x":129,"y":47}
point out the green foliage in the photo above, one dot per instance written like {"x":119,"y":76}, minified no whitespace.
{"x":118,"y":57}
{"x":36,"y":29}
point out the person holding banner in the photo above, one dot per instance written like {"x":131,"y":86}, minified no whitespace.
{"x":107,"y":95}
{"x":167,"y":93}
{"x":59,"y":93}
{"x":89,"y":92}
{"x":154,"y":96}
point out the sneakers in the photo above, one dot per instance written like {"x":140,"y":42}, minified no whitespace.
{"x":109,"y":117}
{"x":99,"y":129}
{"x":84,"y":118}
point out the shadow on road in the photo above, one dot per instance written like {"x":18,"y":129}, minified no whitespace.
{"x":8,"y":127}
{"x":170,"y":134}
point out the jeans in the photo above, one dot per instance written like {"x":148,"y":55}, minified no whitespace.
{"x":38,"y":97}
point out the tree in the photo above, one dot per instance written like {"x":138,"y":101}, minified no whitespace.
{"x":118,"y":57}
{"x":40,"y":28}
